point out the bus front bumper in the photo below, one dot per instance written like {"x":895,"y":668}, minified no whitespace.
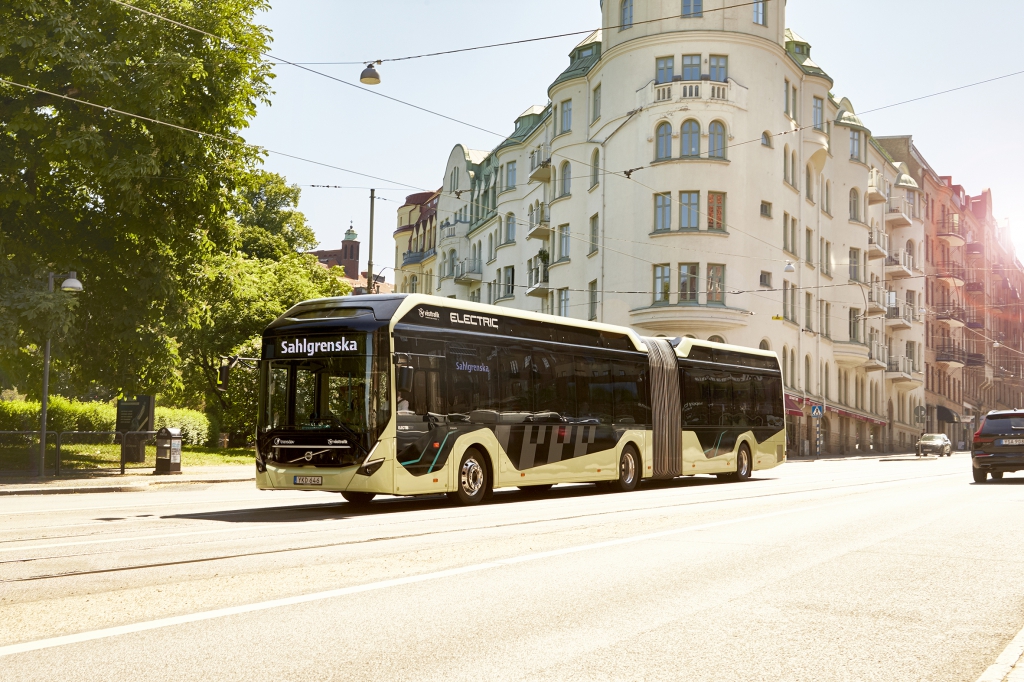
{"x":377,"y":477}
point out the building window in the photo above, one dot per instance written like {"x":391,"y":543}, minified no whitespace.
{"x":759,"y":17}
{"x":595,"y":168}
{"x":563,"y":302}
{"x":720,"y":69}
{"x":510,"y":282}
{"x":809,"y":311}
{"x":792,"y":170}
{"x":663,"y":136}
{"x":510,"y":175}
{"x":855,"y":265}
{"x":766,"y":279}
{"x":688,"y":274}
{"x":766,"y":139}
{"x":827,"y":199}
{"x":626,"y":15}
{"x":691,"y":67}
{"x":566,"y":115}
{"x":662,"y":212}
{"x":854,"y":205}
{"x":510,"y":228}
{"x":716,"y":210}
{"x":689,"y":210}
{"x":716,"y":284}
{"x":793,"y":106}
{"x":855,"y":145}
{"x":596,"y":109}
{"x":786,"y":245}
{"x":593,"y":233}
{"x":662,"y":283}
{"x":808,"y":246}
{"x":693,"y":8}
{"x":855,"y":325}
{"x":690,"y":140}
{"x":592,"y":300}
{"x":716,"y":140}
{"x":819,"y":113}
{"x":787,"y":313}
{"x":563,"y":242}
{"x":666,"y":69}
{"x":808,"y":179}
{"x":785,"y":97}
{"x":766,"y":209}
{"x":413,"y":284}
{"x":566,"y":179}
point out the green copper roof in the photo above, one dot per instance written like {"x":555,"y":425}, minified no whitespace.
{"x":799,"y":50}
{"x":577,"y":69}
{"x":527,"y":122}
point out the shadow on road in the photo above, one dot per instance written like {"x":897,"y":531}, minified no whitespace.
{"x":341,"y":509}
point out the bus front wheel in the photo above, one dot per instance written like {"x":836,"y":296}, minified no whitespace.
{"x":471,"y":480}
{"x":629,"y":471}
{"x":742,"y":472}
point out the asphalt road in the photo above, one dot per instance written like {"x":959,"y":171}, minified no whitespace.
{"x":838,"y":570}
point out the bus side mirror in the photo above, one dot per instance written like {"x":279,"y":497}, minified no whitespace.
{"x":406,"y":374}
{"x":222,"y":377}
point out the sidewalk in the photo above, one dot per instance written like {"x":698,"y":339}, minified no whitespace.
{"x":881,"y":456}
{"x":134,"y":480}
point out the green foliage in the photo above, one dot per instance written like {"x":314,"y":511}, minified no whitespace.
{"x":271,"y":227}
{"x":71,"y":415}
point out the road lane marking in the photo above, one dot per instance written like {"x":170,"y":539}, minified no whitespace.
{"x":381,"y":585}
{"x":1010,"y":661}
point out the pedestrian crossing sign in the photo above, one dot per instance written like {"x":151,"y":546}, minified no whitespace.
{"x":817,"y":411}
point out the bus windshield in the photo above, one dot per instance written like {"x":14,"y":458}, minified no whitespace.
{"x":347,"y":393}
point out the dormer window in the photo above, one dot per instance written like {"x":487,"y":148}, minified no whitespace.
{"x":586,"y":52}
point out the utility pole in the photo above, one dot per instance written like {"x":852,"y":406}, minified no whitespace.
{"x":46,"y":391}
{"x":371,"y":282}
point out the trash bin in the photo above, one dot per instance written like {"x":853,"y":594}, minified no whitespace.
{"x":168,"y":451}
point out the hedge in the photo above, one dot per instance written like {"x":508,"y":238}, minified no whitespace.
{"x":71,"y":415}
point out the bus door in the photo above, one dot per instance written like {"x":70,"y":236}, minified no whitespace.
{"x":421,"y":418}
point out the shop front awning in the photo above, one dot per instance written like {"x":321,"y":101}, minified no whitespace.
{"x":855,"y":415}
{"x":946,"y":415}
{"x":793,"y":406}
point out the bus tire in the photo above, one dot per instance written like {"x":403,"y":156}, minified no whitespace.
{"x":470,"y":479}
{"x":629,"y":471}
{"x":743,"y":464}
{"x":358,"y":499}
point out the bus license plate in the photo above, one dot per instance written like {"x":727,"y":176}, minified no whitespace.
{"x":309,"y":480}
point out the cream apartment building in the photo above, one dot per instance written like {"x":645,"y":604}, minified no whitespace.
{"x":695,"y":176}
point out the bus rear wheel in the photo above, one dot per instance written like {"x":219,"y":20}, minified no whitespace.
{"x":471,"y":480}
{"x":742,"y":472}
{"x":358,"y":498}
{"x":629,"y":471}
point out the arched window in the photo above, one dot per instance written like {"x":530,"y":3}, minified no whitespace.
{"x":785,"y":365}
{"x":453,"y":259}
{"x":785,"y":164}
{"x":792,"y":168}
{"x":595,"y":168}
{"x":716,"y":141}
{"x":716,"y":339}
{"x":405,"y":285}
{"x":690,"y":143}
{"x":810,"y":186}
{"x":766,"y":139}
{"x":826,"y":382}
{"x":444,"y":264}
{"x":626,"y":15}
{"x":828,"y":197}
{"x":663,"y":141}
{"x":792,"y":368}
{"x":807,"y":373}
{"x":854,"y":205}
{"x":510,"y":228}
{"x":764,"y":345}
{"x":490,"y":246}
{"x":566,"y":179}
{"x":413,"y":284}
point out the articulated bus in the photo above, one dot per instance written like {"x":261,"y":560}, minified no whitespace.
{"x":420,"y":395}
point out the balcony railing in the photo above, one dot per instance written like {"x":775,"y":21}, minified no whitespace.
{"x":900,"y":365}
{"x":900,"y":312}
{"x":679,"y":90}
{"x":449,"y":232}
{"x":878,"y":352}
{"x":878,"y":244}
{"x":974,"y":359}
{"x":950,"y":353}
{"x":950,"y":313}
{"x":538,"y":274}
{"x":950,"y":228}
{"x":975,"y":286}
{"x":898,"y":211}
{"x":876,"y":187}
{"x":412,"y":257}
{"x":900,"y":259}
{"x":469,"y":269}
{"x":951,"y":270}
{"x":975,"y":249}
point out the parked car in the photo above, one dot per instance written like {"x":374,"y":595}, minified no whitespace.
{"x":935,"y":444}
{"x":998,"y":445}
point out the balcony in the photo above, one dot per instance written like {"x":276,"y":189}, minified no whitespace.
{"x":951,"y":273}
{"x":899,"y":317}
{"x":412,"y":257}
{"x":878,"y":244}
{"x":537,"y":280}
{"x":897,"y":212}
{"x":953,"y":316}
{"x":878,"y":357}
{"x":975,"y":319}
{"x":899,"y":264}
{"x":877,"y":296}
{"x":449,"y":232}
{"x":540,"y":164}
{"x":876,"y":187}
{"x":469,"y":271}
{"x":900,"y":370}
{"x":539,"y":226}
{"x":654,"y":94}
{"x":975,"y":285}
{"x":951,"y":231}
{"x":950,"y":356}
{"x":850,"y":353}
{"x":974,"y":359}
{"x":975,"y":249}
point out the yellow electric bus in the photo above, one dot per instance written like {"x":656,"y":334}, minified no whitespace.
{"x":420,"y":395}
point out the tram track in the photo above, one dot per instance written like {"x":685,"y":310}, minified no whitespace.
{"x":403,"y":536}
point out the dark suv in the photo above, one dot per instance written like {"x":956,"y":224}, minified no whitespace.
{"x":998,"y":445}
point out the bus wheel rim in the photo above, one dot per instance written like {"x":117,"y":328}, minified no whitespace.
{"x":744,"y":462}
{"x":472,"y":477}
{"x":628,"y":469}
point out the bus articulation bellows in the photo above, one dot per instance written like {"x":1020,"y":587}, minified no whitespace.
{"x":419,"y":395}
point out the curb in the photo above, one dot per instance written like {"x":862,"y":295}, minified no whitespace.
{"x":1009,"y":662}
{"x":81,"y":490}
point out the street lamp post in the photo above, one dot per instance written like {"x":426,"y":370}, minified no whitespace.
{"x":73,"y":285}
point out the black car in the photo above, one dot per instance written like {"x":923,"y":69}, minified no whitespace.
{"x":998,"y":445}
{"x":934,"y":444}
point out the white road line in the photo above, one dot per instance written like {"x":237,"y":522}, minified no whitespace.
{"x":1010,"y":661}
{"x":130,"y":506}
{"x":383,"y":584}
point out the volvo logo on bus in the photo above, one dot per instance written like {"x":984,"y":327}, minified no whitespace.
{"x":475,"y":320}
{"x":310,"y":348}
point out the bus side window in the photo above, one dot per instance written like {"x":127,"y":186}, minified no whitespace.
{"x":593,"y":390}
{"x":472,"y":381}
{"x":696,"y":397}
{"x":554,"y":386}
{"x":514,"y":375}
{"x":629,"y":405}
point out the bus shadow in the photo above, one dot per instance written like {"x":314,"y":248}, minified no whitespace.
{"x":328,"y":511}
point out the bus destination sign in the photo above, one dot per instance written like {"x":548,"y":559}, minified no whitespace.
{"x":316,"y":347}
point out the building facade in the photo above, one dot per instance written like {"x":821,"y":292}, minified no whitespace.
{"x":694,"y":176}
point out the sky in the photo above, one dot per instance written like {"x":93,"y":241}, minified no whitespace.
{"x":878,"y":52}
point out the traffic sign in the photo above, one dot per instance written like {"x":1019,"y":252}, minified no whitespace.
{"x":817,"y":411}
